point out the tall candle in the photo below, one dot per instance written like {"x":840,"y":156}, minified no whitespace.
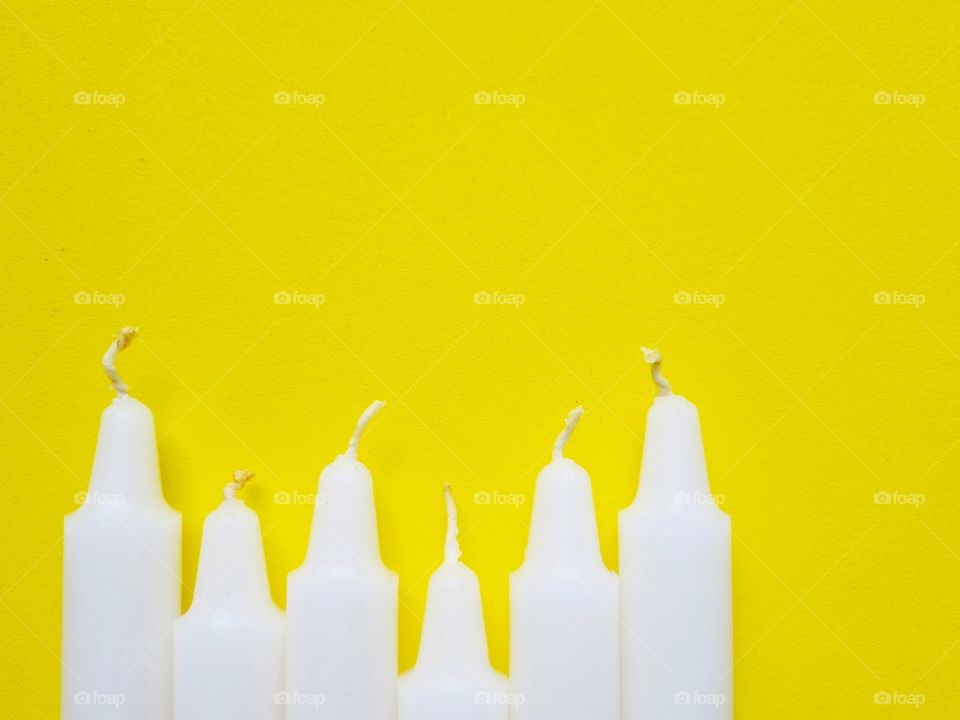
{"x":675,"y":574}
{"x":342,"y":604}
{"x":121,"y":572}
{"x":453,"y":678}
{"x":564,"y":628}
{"x":229,"y":646}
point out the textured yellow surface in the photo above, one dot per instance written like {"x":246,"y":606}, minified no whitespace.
{"x":782,"y":198}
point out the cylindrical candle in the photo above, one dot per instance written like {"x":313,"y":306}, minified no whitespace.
{"x":452,"y":679}
{"x":121,"y":573}
{"x":564,"y":629}
{"x":675,"y":575}
{"x":228,"y":647}
{"x":342,"y":604}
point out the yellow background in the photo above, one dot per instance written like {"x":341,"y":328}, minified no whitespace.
{"x":598,"y":199}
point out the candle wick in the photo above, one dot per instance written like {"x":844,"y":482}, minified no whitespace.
{"x":655,"y":359}
{"x":361,"y":424}
{"x":451,"y":548}
{"x":240,"y":478}
{"x":123,"y":341}
{"x":571,"y":422}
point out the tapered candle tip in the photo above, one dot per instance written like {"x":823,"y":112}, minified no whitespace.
{"x":122,"y":342}
{"x":655,"y":358}
{"x":240,"y":478}
{"x":361,"y":424}
{"x":571,"y":422}
{"x":451,"y":548}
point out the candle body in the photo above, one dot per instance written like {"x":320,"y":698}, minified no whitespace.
{"x":342,"y":608}
{"x":121,"y":579}
{"x":564,"y":627}
{"x":453,"y":677}
{"x":675,"y":575}
{"x":229,"y":646}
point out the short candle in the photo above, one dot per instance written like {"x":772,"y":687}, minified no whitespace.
{"x":564,"y":628}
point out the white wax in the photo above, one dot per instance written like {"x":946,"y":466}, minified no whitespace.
{"x":675,"y":577}
{"x":452,"y":679}
{"x":564,"y":628}
{"x":229,"y":646}
{"x":342,"y":607}
{"x":121,"y":579}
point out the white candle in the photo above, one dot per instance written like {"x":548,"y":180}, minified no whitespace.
{"x":228,"y":647}
{"x":452,"y":679}
{"x":121,"y":573}
{"x":675,"y":575}
{"x":564,"y":629}
{"x":342,"y":604}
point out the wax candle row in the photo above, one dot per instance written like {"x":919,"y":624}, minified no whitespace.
{"x":654,"y":642}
